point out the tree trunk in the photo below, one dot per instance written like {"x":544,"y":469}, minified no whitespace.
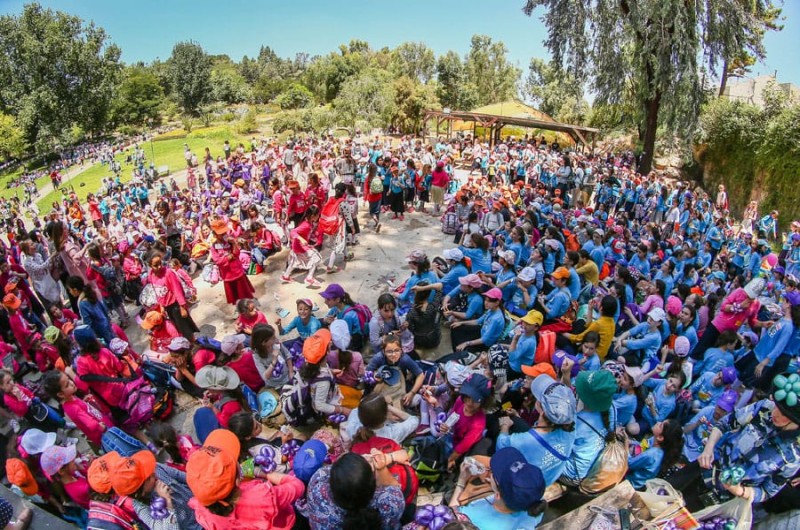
{"x":652,"y":107}
{"x":724,"y":81}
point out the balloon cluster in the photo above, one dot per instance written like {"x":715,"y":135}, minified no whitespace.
{"x":277,"y":371}
{"x":290,"y":448}
{"x":732,"y":476}
{"x":433,"y":517}
{"x":736,"y":307}
{"x":336,"y":419}
{"x":369,"y":378}
{"x":266,"y":459}
{"x":158,"y":508}
{"x":441,"y":417}
{"x":718,"y":523}
{"x":788,"y":389}
{"x":296,"y":352}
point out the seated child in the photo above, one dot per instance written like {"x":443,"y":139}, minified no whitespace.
{"x":249,"y":316}
{"x":662,"y":452}
{"x":92,"y":422}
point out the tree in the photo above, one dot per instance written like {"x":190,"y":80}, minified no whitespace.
{"x":555,"y":92}
{"x":12,"y":138}
{"x":191,"y":75}
{"x":411,"y":100}
{"x":488,"y":69}
{"x":139,"y":97}
{"x":296,"y":96}
{"x":228,"y":85}
{"x":55,"y":72}
{"x":450,"y":75}
{"x":365,"y":100}
{"x":659,"y":47}
{"x":326,"y":75}
{"x":413,"y":60}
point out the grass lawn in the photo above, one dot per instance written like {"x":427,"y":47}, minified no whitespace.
{"x":7,"y":192}
{"x":167,"y":150}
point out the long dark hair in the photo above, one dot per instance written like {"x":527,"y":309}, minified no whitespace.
{"x":372,"y":412}
{"x":671,"y":443}
{"x":77,"y":283}
{"x":353,"y":485}
{"x":165,"y":439}
{"x":261,"y":334}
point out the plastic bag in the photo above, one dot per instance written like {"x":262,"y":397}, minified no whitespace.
{"x":737,"y":508}
{"x":609,"y":467}
{"x":661,"y":499}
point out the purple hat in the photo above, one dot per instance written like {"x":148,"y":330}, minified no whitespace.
{"x":780,"y":270}
{"x":558,"y":361}
{"x":334,"y":290}
{"x":793,"y":297}
{"x":729,"y":375}
{"x":727,"y":400}
{"x":751,"y":336}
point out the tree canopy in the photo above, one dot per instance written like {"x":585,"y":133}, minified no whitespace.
{"x":190,"y":72}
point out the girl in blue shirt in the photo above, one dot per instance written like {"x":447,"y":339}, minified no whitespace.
{"x":664,"y":449}
{"x":341,"y":307}
{"x":557,"y":301}
{"x":492,"y":323}
{"x":479,"y":253}
{"x":421,"y":272}
{"x":458,"y":268}
{"x":685,"y":325}
{"x":305,"y":322}
{"x":504,"y":279}
{"x":660,"y":403}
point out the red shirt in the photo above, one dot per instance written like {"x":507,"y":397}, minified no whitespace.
{"x":247,"y":370}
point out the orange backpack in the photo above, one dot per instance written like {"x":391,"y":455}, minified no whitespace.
{"x":329,"y":220}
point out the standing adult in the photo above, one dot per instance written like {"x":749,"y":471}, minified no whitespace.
{"x":169,"y":295}
{"x":439,"y":181}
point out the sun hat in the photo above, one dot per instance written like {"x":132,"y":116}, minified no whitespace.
{"x":51,"y":334}
{"x":11,"y":301}
{"x":528,"y":274}
{"x":19,"y":474}
{"x":55,"y":457}
{"x":179,"y":343}
{"x":533,"y":317}
{"x":557,"y":400}
{"x":100,"y":471}
{"x":453,"y":254}
{"x":340,"y":334}
{"x":596,"y":389}
{"x":509,"y":256}
{"x":476,"y":387}
{"x":682,"y":346}
{"x":729,"y":375}
{"x":315,"y":347}
{"x":636,"y":373}
{"x":308,"y":459}
{"x":727,"y":400}
{"x":456,"y":373}
{"x":417,"y":256}
{"x":561,"y":273}
{"x":471,"y":280}
{"x":520,"y":484}
{"x":793,"y":297}
{"x":333,"y":290}
{"x":152,"y":319}
{"x":35,"y":441}
{"x":117,"y":346}
{"x":129,"y":473}
{"x":211,"y":471}
{"x":657,"y":314}
{"x":219,"y":226}
{"x":559,"y":356}
{"x":754,"y":287}
{"x":217,"y":378}
{"x":539,"y":369}
{"x":230,"y":343}
{"x":494,"y":293}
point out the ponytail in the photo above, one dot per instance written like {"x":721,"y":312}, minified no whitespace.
{"x":364,"y":434}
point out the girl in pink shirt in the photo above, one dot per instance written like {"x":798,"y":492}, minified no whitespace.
{"x":249,"y":316}
{"x":92,"y":422}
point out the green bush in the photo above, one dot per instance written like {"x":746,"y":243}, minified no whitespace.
{"x":247,"y":124}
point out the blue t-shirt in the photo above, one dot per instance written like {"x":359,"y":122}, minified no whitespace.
{"x":481,"y":261}
{"x":694,"y":442}
{"x":492,"y":324}
{"x":774,"y":340}
{"x":484,"y":516}
{"x":524,"y":353}
{"x":406,"y":364}
{"x":304,"y":330}
{"x":704,"y":391}
{"x":557,"y":303}
{"x":626,"y":405}
{"x":642,"y":338}
{"x":588,"y":443}
{"x":664,"y":404}
{"x":644,"y":466}
{"x":574,"y":283}
{"x":592,"y":363}
{"x":713,"y":361}
{"x":450,"y":280}
{"x":353,"y":324}
{"x":428,"y":276}
{"x":474,"y":303}
{"x":536,"y":453}
{"x":508,"y":290}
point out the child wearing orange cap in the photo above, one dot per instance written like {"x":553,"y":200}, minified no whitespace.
{"x":161,"y":332}
{"x":20,"y":327}
{"x":103,"y":511}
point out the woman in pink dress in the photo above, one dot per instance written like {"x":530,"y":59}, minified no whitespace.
{"x":170,"y":296}
{"x":225,"y":254}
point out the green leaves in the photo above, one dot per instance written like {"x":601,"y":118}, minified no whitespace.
{"x":190,"y":71}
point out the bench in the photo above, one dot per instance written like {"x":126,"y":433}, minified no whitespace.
{"x":162,"y":171}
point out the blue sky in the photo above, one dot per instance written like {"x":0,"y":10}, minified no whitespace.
{"x":147,"y":29}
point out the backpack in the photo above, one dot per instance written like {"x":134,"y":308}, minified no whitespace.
{"x":110,"y":276}
{"x":428,"y":459}
{"x":376,"y":185}
{"x":209,"y":343}
{"x":364,"y":315}
{"x":296,"y":400}
{"x":404,"y":473}
{"x":572,"y":242}
{"x":610,"y":465}
{"x":450,"y":223}
{"x":329,"y":219}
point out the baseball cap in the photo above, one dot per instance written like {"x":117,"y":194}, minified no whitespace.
{"x":340,"y":334}
{"x":230,"y":343}
{"x":217,"y":378}
{"x":596,"y":389}
{"x":118,"y":346}
{"x":152,"y":319}
{"x":308,"y":459}
{"x":682,"y":346}
{"x":552,"y":243}
{"x":211,"y":471}
{"x":674,"y":305}
{"x":100,"y":471}
{"x":453,"y":254}
{"x":793,"y":297}
{"x":657,"y":314}
{"x":55,"y":457}
{"x":390,"y":375}
{"x":528,"y":274}
{"x":476,"y":387}
{"x":636,"y":373}
{"x":494,"y":293}
{"x":751,"y":336}
{"x":727,"y":400}
{"x":556,"y":399}
{"x":560,"y":273}
{"x":456,"y":373}
{"x":35,"y":441}
{"x":520,"y":484}
{"x":417,"y":256}
{"x":599,"y":232}
{"x":333,"y":290}
{"x":20,"y":475}
{"x":179,"y":343}
{"x":539,"y":369}
{"x":509,"y":256}
{"x":471,"y":280}
{"x":559,"y":356}
{"x":129,"y":473}
{"x":533,"y":317}
{"x":729,"y":375}
{"x":315,"y":347}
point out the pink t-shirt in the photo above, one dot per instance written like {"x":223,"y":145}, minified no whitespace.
{"x":725,"y":321}
{"x":88,"y":419}
{"x":78,"y":491}
{"x":468,"y":429}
